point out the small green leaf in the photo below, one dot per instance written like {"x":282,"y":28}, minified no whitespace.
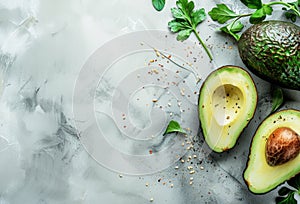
{"x":260,"y":14}
{"x":182,"y":4}
{"x":176,"y":26}
{"x":222,"y":13}
{"x":268,"y":10}
{"x":295,"y":182}
{"x":184,"y":34}
{"x":286,"y":200}
{"x":190,"y":7}
{"x":172,"y":127}
{"x":277,"y":98}
{"x":158,"y":4}
{"x":233,"y":28}
{"x":253,"y":4}
{"x":177,"y":13}
{"x":284,"y":191}
{"x":291,"y":15}
{"x":198,"y":16}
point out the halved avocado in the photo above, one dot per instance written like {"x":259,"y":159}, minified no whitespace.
{"x":267,"y":168}
{"x":227,"y":102}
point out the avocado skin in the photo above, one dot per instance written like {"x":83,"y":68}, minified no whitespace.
{"x":271,"y":50}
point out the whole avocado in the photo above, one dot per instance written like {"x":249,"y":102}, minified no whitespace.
{"x":271,"y":50}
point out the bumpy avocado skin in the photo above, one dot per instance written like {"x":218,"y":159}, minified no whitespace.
{"x":271,"y":50}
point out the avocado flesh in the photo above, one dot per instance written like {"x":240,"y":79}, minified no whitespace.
{"x":259,"y":175}
{"x":271,"y":50}
{"x":227,"y":102}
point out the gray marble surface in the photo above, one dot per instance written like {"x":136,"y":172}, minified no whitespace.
{"x":85,"y":100}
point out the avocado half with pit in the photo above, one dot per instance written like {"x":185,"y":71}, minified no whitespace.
{"x":227,"y":102}
{"x":274,"y":155}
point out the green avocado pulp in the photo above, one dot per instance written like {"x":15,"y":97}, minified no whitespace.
{"x":227,"y":103}
{"x":259,"y":175}
{"x":271,"y":50}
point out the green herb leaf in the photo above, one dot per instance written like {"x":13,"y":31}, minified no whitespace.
{"x":176,"y":26}
{"x":277,"y":98}
{"x":158,"y":4}
{"x":172,"y":127}
{"x":233,"y":28}
{"x":222,"y":13}
{"x":295,"y":182}
{"x":291,"y":14}
{"x":186,"y":20}
{"x":177,"y":13}
{"x":198,"y":16}
{"x":253,"y":4}
{"x":184,"y":34}
{"x":284,"y":191}
{"x":260,"y":14}
{"x":286,"y":200}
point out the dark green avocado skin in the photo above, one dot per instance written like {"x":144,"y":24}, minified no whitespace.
{"x":271,"y":50}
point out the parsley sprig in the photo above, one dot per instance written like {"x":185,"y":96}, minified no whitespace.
{"x":186,"y":20}
{"x":223,"y":14}
{"x":286,"y":194}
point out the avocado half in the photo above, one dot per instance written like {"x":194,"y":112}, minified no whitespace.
{"x":259,"y":175}
{"x":271,"y":50}
{"x":227,"y":102}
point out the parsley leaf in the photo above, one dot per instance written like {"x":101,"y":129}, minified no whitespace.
{"x":233,"y":28}
{"x":158,"y":4}
{"x":260,"y":14}
{"x":290,"y":13}
{"x":277,"y":99}
{"x":172,"y":127}
{"x":252,"y":4}
{"x":186,"y":20}
{"x":222,"y":13}
{"x":286,"y":194}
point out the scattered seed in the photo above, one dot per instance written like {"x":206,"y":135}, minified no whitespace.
{"x":190,"y":167}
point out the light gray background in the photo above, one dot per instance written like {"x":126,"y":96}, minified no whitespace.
{"x":44,"y":46}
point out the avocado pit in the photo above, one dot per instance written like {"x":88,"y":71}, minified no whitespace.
{"x":282,"y":146}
